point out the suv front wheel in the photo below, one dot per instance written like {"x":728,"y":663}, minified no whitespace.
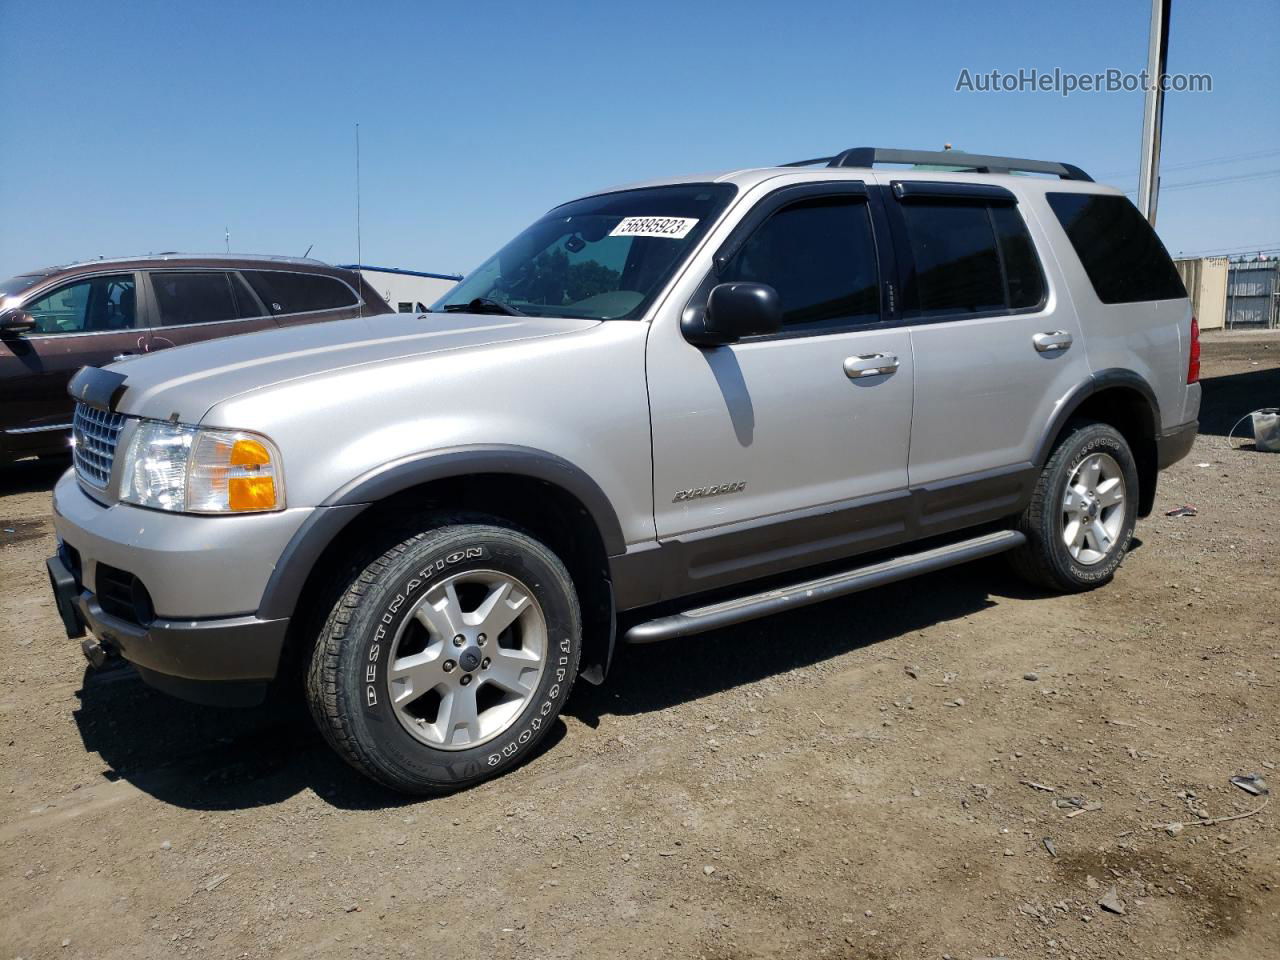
{"x":447,"y":658}
{"x":1082,"y":512}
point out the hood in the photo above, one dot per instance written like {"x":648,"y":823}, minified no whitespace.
{"x":183,"y":383}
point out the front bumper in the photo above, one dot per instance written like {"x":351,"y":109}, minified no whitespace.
{"x":224,"y":661}
{"x":198,"y":583}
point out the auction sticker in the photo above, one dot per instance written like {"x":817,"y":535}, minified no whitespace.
{"x":673,"y":228}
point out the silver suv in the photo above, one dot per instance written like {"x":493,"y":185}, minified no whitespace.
{"x":657,"y":411}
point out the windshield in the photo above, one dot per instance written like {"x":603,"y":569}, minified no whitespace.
{"x":15,"y":285}
{"x":601,"y":258}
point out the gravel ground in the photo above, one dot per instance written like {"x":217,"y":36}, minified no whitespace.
{"x":956,"y":766}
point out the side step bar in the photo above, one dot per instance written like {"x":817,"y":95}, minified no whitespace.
{"x":702,"y":619}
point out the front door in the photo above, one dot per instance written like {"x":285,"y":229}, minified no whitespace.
{"x":785,"y":450}
{"x":85,"y":322}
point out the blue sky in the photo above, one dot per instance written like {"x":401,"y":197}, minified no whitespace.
{"x":140,"y":126}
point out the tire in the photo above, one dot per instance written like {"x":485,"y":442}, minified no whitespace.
{"x":380,"y":684}
{"x":1046,"y":559}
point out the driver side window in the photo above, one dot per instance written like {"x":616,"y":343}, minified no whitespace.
{"x":99,"y":304}
{"x":820,"y":256}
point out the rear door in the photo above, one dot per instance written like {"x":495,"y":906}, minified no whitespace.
{"x":996,"y":344}
{"x":89,"y":321}
{"x":292,"y":298}
{"x":192,"y":304}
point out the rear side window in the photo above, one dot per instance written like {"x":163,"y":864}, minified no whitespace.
{"x":284,"y":292}
{"x":1125,"y":260}
{"x":970,"y":258}
{"x":185,"y":298}
{"x":820,"y":257}
{"x":1021,"y":265}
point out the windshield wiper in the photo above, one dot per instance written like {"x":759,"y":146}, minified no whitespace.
{"x":484,"y":305}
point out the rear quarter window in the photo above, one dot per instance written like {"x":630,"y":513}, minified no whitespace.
{"x":1123,"y":257}
{"x":284,"y":292}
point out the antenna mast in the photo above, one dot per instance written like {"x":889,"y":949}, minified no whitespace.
{"x":359,"y":252}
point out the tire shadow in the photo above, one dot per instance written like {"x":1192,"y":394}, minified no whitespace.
{"x":211,"y":758}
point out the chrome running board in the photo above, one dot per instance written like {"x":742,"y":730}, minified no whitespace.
{"x":716,"y":615}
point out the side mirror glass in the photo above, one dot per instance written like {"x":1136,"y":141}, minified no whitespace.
{"x":733,"y":311}
{"x":16,"y":320}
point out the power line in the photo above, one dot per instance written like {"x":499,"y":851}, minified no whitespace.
{"x":1256,"y":155}
{"x":1269,"y":252}
{"x":1263,"y":247}
{"x":1216,"y":181}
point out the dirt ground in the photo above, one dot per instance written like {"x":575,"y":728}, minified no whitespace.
{"x":877,"y":777}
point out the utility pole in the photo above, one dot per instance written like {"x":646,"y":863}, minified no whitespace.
{"x":1153,"y":111}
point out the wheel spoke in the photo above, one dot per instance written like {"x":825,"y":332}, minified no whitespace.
{"x":1072,"y":501}
{"x":513,"y":670}
{"x":1089,"y":471}
{"x":413,"y":676}
{"x":500,"y":609}
{"x":442,"y":614}
{"x":1098,"y":534}
{"x":1074,"y":537}
{"x":458,"y":719}
{"x":1111,"y":492}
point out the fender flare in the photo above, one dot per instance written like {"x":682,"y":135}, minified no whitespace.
{"x":1098,"y":381}
{"x":300,"y":555}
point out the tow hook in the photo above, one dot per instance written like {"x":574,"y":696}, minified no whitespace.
{"x":94,"y":652}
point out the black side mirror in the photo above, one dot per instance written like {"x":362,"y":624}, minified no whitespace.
{"x":733,"y":311}
{"x":16,"y":320}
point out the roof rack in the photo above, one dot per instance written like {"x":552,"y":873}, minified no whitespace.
{"x":870,"y":156}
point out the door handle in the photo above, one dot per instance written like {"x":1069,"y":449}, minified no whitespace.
{"x":122,"y":356}
{"x":870,"y":365}
{"x":1054,"y":341}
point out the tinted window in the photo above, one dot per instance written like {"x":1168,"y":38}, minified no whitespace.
{"x":101,"y":303}
{"x":1122,"y":255}
{"x":820,"y":257}
{"x":957,"y":266}
{"x":193,"y":298}
{"x":284,"y":292}
{"x":1021,"y":265}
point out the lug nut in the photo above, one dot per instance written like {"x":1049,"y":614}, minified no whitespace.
{"x":458,"y":640}
{"x":481,"y":639}
{"x":466,"y":679}
{"x":448,"y":666}
{"x":484,"y":664}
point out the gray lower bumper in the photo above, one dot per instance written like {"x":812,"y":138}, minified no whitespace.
{"x":1176,"y":443}
{"x":224,"y":661}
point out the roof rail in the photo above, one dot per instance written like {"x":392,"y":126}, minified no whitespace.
{"x":870,"y":156}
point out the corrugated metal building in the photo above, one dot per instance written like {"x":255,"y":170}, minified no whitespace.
{"x":1253,"y":294}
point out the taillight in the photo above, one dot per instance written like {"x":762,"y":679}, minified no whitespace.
{"x":1193,"y":364}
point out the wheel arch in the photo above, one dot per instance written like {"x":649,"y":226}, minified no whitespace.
{"x":539,"y":492}
{"x":1124,"y":400}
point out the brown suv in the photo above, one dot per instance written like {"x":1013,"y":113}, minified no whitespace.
{"x":57,"y":320}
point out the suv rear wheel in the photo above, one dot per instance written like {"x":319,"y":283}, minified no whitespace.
{"x":1082,"y":513}
{"x":447,"y":658}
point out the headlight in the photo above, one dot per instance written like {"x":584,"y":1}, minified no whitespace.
{"x":169,"y":466}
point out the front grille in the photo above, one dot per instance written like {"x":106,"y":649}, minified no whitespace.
{"x":94,"y":434}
